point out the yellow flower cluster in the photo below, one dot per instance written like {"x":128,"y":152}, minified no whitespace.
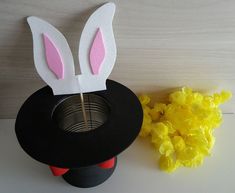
{"x":182,"y":130}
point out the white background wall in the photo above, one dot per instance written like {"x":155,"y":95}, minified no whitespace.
{"x":162,"y":45}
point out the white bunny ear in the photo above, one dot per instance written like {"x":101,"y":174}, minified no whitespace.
{"x":97,"y":49}
{"x":53,"y":58}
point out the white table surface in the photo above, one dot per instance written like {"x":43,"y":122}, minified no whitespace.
{"x":136,"y":171}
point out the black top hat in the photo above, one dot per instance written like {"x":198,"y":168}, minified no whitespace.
{"x":50,"y":125}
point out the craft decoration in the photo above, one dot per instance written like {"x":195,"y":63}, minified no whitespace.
{"x":107,"y":164}
{"x":58,"y":171}
{"x":78,"y":135}
{"x":182,"y":130}
{"x":97,"y":53}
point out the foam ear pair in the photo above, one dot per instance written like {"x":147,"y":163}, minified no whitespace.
{"x":97,"y":53}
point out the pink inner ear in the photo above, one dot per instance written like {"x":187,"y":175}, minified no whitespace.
{"x":97,"y":52}
{"x":53,"y":58}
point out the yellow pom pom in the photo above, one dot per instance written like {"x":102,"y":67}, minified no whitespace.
{"x":161,"y":129}
{"x":158,"y":136}
{"x":225,"y":96}
{"x":199,"y":142}
{"x":195,"y":98}
{"x":179,"y":143}
{"x":157,"y":141}
{"x":167,"y":164}
{"x":159,"y":107}
{"x":187,"y":90}
{"x":144,"y":99}
{"x":166,"y":148}
{"x":208,"y":102}
{"x":171,"y":129}
{"x":145,"y":130}
{"x":155,"y":115}
{"x":188,"y":153}
{"x":210,"y":138}
{"x":217,"y":99}
{"x":190,"y":157}
{"x":177,"y":97}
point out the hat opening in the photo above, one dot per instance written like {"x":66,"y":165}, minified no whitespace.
{"x":68,"y":114}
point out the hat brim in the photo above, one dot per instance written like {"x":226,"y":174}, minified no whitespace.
{"x":41,"y":138}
